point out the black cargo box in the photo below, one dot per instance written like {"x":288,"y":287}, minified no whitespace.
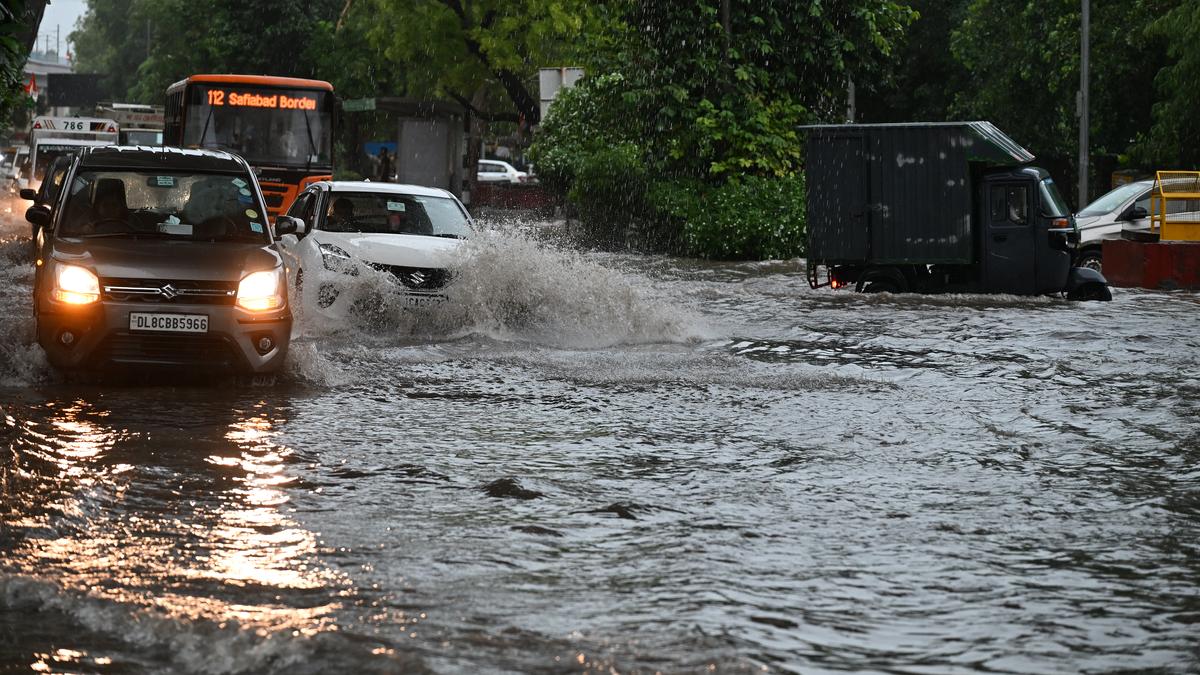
{"x":898,"y":193}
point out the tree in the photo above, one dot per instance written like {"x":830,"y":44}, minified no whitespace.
{"x":112,"y":38}
{"x":1023,"y":63}
{"x":145,"y":45}
{"x":19,"y":21}
{"x":455,"y":48}
{"x":689,"y":118}
{"x":1174,"y":137}
{"x":924,"y":73}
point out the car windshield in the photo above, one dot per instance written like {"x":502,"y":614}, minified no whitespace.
{"x":382,"y":213}
{"x":1052,"y":201}
{"x":163,"y":204}
{"x":1113,"y":200}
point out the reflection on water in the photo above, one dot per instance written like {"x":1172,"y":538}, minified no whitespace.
{"x":175,"y":507}
{"x":664,"y":465}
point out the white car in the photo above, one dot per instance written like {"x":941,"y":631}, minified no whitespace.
{"x":495,"y":171}
{"x":1125,"y":207}
{"x":404,"y":235}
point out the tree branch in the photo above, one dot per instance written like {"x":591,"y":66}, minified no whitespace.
{"x":484,"y":114}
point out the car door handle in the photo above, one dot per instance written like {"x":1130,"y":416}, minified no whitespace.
{"x":999,"y":237}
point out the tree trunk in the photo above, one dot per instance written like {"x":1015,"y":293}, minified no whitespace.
{"x":478,"y":128}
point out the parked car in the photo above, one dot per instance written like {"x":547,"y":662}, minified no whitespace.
{"x":496,"y":171}
{"x":1125,"y":207}
{"x":160,"y":258}
{"x":345,"y":229}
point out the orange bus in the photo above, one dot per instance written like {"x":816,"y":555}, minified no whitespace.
{"x":282,"y":126}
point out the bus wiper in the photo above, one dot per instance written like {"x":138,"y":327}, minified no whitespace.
{"x":204,"y":133}
{"x":312,"y":146}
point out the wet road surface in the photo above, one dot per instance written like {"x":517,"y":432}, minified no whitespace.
{"x":595,"y":462}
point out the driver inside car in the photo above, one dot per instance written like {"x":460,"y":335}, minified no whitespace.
{"x":341,"y":213}
{"x":109,"y":210}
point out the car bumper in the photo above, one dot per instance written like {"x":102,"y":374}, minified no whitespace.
{"x":98,"y":337}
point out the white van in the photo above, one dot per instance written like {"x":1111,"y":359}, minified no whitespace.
{"x":1125,"y":207}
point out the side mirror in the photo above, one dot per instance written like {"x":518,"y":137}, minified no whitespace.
{"x":38,"y":215}
{"x":288,"y":225}
{"x":1135,"y":213}
{"x":29,"y":194}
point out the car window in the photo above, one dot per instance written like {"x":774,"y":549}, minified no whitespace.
{"x":1009,"y":205}
{"x":180,"y":205}
{"x":298,"y":206}
{"x":1112,"y":200}
{"x":383,"y":213}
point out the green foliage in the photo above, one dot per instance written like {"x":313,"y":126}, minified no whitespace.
{"x":456,"y":49}
{"x":750,"y":217}
{"x":1023,"y":63}
{"x":1174,"y":139}
{"x":15,"y":31}
{"x":710,"y":117}
{"x":145,"y":45}
{"x":593,"y":116}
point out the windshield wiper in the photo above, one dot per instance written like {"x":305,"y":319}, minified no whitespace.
{"x":127,"y":233}
{"x":449,"y":235}
{"x":312,"y":146}
{"x":207,"y":119}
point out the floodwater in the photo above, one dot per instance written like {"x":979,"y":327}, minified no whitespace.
{"x":618,"y":463}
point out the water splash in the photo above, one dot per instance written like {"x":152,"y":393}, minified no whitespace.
{"x":511,"y":288}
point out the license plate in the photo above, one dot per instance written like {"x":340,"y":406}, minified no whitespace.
{"x":168,"y":323}
{"x":413,"y":300}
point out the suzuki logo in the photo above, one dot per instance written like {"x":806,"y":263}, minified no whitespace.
{"x":168,"y":292}
{"x":417,"y":278}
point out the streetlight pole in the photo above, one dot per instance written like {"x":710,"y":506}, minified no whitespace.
{"x":1084,"y":65}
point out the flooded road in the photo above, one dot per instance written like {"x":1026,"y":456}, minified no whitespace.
{"x":599,"y":463}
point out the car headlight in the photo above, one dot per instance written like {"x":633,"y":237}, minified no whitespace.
{"x":261,"y":291}
{"x":335,"y":259}
{"x":75,"y":285}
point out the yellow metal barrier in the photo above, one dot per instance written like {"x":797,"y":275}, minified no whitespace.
{"x":1175,"y":206}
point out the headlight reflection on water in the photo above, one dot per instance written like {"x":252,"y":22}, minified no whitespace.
{"x":189,"y":520}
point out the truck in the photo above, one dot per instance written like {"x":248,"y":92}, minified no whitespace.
{"x":137,"y":123}
{"x":934,"y":208}
{"x":52,"y":137}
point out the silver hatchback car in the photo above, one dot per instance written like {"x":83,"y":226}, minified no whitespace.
{"x":160,"y":257}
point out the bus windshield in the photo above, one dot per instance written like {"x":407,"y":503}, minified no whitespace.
{"x":268,"y":126}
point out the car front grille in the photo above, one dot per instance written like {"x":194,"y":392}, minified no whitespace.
{"x":207,"y":351}
{"x":169,"y":291}
{"x":417,"y":278}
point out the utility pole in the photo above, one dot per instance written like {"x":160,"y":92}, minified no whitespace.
{"x":725,"y":23}
{"x":851,"y":104}
{"x":1084,"y":65}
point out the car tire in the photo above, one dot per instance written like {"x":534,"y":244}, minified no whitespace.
{"x":1091,"y":292}
{"x":1090,"y":259}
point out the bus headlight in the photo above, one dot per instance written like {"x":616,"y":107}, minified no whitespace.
{"x":75,"y":285}
{"x":261,"y":291}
